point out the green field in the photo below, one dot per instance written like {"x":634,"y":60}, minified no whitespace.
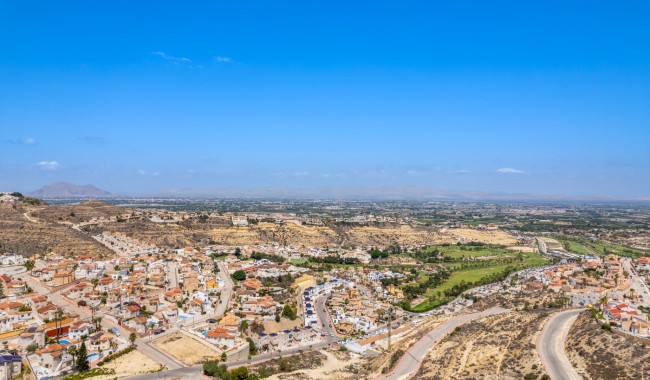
{"x":459,"y":275}
{"x":297,"y":261}
{"x":583,"y":246}
{"x":458,"y":252}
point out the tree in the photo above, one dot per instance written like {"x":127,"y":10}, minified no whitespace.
{"x":252,"y":348}
{"x":243,"y":326}
{"x":72,"y":350}
{"x":257,"y":327}
{"x":211,"y":368}
{"x":224,"y":357}
{"x":289,"y":312}
{"x":132,"y":338}
{"x":29,"y":264}
{"x":239,"y":275}
{"x":237,"y":252}
{"x":240,"y":373}
{"x":82,"y":364}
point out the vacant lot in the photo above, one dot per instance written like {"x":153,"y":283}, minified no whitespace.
{"x":130,"y":364}
{"x":186,"y":349}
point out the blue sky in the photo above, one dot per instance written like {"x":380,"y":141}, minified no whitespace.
{"x":517,"y":97}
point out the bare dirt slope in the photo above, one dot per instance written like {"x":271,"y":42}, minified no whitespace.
{"x":496,"y":347}
{"x":599,"y":354}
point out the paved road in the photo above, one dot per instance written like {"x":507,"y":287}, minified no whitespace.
{"x":550,"y":346}
{"x":412,"y":359}
{"x":324,"y":319}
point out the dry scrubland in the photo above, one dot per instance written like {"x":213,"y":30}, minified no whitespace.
{"x":171,"y":235}
{"x":323,"y":365}
{"x":188,"y":350}
{"x":39,"y":232}
{"x":48,"y":228}
{"x":599,"y":354}
{"x":496,"y":347}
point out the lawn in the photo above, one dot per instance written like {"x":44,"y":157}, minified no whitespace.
{"x":471,"y":275}
{"x":297,"y":261}
{"x":474,"y":275}
{"x":458,"y":252}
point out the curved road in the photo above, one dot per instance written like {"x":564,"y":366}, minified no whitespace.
{"x":550,"y":346}
{"x":412,"y":359}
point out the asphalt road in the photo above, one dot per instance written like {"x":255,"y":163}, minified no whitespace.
{"x":550,"y":346}
{"x":325,"y":320}
{"x":412,"y":359}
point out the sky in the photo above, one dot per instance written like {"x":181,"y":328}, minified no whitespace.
{"x":507,"y":97}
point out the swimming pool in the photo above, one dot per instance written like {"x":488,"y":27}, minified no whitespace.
{"x":63,"y":341}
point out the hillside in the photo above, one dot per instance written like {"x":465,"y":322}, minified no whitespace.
{"x":22,"y":230}
{"x":37,"y":228}
{"x":68,"y":190}
{"x":599,"y":354}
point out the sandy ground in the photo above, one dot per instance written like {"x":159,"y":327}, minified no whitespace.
{"x":186,"y":349}
{"x":284,"y":324}
{"x":519,"y":248}
{"x":130,"y":364}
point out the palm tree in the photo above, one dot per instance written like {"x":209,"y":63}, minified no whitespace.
{"x":72,"y":350}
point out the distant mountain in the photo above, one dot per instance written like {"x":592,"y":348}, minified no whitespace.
{"x":68,"y":190}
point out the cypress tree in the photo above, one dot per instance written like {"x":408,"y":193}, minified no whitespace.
{"x":82,"y":364}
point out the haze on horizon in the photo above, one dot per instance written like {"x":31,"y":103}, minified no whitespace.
{"x":548,"y":98}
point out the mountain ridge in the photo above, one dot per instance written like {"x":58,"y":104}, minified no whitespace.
{"x":69,"y":190}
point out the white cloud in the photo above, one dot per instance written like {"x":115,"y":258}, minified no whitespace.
{"x":25,"y":141}
{"x":48,"y":165}
{"x":332,"y":175}
{"x":146,"y":173}
{"x":510,"y":171}
{"x":223,"y":59}
{"x":171,"y":58}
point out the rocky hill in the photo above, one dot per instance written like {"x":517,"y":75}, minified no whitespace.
{"x":68,"y":190}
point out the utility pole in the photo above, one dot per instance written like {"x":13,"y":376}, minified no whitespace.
{"x":390,"y":316}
